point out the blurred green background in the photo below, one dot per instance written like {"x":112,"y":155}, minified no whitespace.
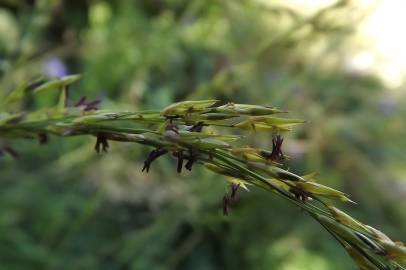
{"x":64,"y":207}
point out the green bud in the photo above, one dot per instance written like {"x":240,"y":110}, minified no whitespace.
{"x":321,"y":190}
{"x":362,"y":262}
{"x":268,"y":123}
{"x":347,"y":220}
{"x":259,"y":126}
{"x":96,"y":117}
{"x":248,"y":153}
{"x":209,"y":144}
{"x":225,"y":171}
{"x":214,"y":116}
{"x":247,"y":109}
{"x":347,"y":234}
{"x":143,"y":116}
{"x":194,"y":140}
{"x":190,"y":135}
{"x":274,"y":171}
{"x":378,"y":234}
{"x":185,"y":107}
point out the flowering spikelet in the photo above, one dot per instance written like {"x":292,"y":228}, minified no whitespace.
{"x":178,"y":130}
{"x":299,"y":194}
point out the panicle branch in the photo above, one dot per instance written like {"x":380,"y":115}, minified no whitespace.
{"x":179,"y":130}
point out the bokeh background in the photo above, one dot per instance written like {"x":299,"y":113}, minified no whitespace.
{"x":338,"y":64}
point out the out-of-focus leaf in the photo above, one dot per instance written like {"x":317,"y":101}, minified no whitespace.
{"x":56,"y":84}
{"x":63,"y":97}
{"x":17,"y":94}
{"x":6,"y":118}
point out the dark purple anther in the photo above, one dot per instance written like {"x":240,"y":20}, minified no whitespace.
{"x":172,"y":127}
{"x":101,"y":141}
{"x":81,"y":101}
{"x":277,"y":153}
{"x":189,"y":163}
{"x":154,"y":154}
{"x":180,"y":162}
{"x":226,"y":205}
{"x":234,"y":189}
{"x":197,"y":127}
{"x":42,"y":138}
{"x":55,"y":68}
{"x":299,"y":194}
{"x":92,"y":105}
{"x":9,"y":150}
{"x":88,"y":106}
{"x":191,"y":159}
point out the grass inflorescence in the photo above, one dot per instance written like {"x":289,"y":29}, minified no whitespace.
{"x":180,"y":130}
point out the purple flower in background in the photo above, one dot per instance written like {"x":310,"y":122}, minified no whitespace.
{"x":55,"y":67}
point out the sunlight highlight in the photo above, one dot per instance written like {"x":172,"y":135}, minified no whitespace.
{"x":383,"y":32}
